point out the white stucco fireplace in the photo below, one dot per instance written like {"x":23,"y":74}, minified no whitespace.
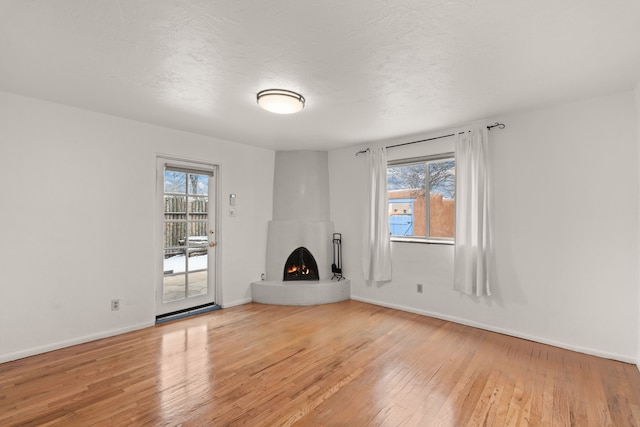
{"x":300,"y":220}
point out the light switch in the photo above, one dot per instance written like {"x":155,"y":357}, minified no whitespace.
{"x":232,"y":199}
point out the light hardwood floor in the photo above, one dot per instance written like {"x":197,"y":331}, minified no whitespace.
{"x":343,"y":364}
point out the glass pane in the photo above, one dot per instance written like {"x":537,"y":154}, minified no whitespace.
{"x":198,"y":246}
{"x":198,"y":184}
{"x":407,"y":204}
{"x":198,"y":284}
{"x":175,"y":207}
{"x":174,"y":261}
{"x":198,"y":234}
{"x":442,"y":182}
{"x":198,"y":205}
{"x":175,"y":182}
{"x":173,"y":288}
{"x":197,"y":259}
{"x":174,"y":283}
{"x":175,"y":234}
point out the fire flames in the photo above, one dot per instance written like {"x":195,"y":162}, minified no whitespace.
{"x":303,"y":269}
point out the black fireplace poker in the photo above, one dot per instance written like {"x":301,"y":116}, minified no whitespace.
{"x":336,"y":267}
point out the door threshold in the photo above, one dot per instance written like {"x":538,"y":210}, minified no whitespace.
{"x":187,"y":312}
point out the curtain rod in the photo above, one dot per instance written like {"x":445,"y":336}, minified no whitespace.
{"x":498,"y":125}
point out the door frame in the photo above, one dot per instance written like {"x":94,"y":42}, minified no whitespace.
{"x":161,"y":160}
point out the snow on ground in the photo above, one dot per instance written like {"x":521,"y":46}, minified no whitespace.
{"x":177,"y":263}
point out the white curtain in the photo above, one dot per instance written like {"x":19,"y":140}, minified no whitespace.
{"x":377,"y":244}
{"x":473,"y":221}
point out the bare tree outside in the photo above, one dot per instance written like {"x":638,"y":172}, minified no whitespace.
{"x":174,"y":182}
{"x":442,"y":178}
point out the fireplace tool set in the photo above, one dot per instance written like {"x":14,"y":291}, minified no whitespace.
{"x":336,"y":266}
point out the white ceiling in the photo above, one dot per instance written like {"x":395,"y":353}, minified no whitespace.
{"x":369,"y":69}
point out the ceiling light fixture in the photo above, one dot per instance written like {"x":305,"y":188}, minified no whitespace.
{"x":280,"y":101}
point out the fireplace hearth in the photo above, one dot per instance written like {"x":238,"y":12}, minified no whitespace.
{"x":301,"y":265}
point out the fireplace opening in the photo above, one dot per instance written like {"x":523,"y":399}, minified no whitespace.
{"x":301,"y":265}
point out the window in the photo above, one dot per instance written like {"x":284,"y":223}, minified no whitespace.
{"x":412,"y":215}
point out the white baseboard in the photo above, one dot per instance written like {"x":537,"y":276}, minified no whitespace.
{"x":504,"y":331}
{"x":74,"y":341}
{"x":236,"y":302}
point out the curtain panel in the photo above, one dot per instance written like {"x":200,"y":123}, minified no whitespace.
{"x":377,"y":243}
{"x":473,"y":228}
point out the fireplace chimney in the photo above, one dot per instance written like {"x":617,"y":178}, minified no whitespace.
{"x":301,"y":186}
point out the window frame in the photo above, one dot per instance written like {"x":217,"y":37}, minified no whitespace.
{"x":425,"y":160}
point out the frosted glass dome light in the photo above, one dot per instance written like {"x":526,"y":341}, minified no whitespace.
{"x":280,"y":101}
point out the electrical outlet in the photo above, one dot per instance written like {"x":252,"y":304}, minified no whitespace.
{"x":115,"y":304}
{"x":419,"y":287}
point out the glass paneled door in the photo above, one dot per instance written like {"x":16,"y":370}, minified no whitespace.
{"x":188,"y":237}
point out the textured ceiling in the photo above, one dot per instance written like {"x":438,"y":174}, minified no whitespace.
{"x":369,"y":69}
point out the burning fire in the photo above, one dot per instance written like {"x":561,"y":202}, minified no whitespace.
{"x":303,"y":269}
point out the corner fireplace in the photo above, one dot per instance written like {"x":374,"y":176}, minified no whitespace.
{"x":301,"y":265}
{"x":300,"y":220}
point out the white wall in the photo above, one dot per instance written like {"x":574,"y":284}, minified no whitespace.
{"x":637,"y":93}
{"x":77,"y":215}
{"x":566,"y":235}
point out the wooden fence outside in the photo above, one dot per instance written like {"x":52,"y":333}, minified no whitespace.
{"x":180,"y":218}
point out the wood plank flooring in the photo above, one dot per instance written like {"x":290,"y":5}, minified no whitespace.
{"x":343,"y":364}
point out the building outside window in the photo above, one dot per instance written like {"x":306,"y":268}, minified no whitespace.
{"x":412,"y":215}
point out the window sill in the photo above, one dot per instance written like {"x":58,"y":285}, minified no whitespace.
{"x":423,"y":240}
